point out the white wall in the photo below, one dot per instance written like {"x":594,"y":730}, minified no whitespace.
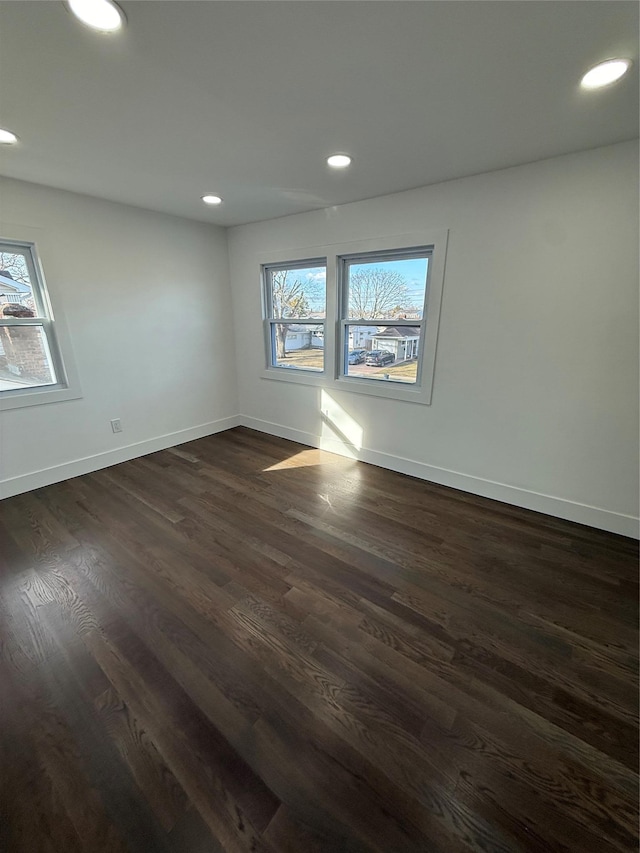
{"x":145,"y":298}
{"x":535,"y":398}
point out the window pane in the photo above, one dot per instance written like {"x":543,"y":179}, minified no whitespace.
{"x":25,"y":360}
{"x":297,"y":345}
{"x":15,"y":279}
{"x":383,"y":352}
{"x":387,"y":289}
{"x":298,"y":292}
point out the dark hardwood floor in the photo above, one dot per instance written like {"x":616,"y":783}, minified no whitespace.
{"x":243,"y":644}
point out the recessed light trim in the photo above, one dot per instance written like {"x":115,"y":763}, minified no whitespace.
{"x":605,"y":73}
{"x":101,"y":15}
{"x":212,"y":199}
{"x":339,"y":161}
{"x":7,"y":138}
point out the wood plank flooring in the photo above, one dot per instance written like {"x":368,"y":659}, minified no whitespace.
{"x":243,"y":644}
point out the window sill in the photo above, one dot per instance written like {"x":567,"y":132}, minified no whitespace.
{"x":389,"y":390}
{"x":373,"y":388}
{"x":22,"y":398}
{"x":292,"y":374}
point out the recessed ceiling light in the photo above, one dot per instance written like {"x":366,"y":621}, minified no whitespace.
{"x":339,"y":161}
{"x":102,"y":15}
{"x":7,"y":138}
{"x":605,"y":73}
{"x":211,"y":199}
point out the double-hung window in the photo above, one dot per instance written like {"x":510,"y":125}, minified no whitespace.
{"x":361,"y":316}
{"x":383,"y":317}
{"x":31,"y":366}
{"x":296,"y":314}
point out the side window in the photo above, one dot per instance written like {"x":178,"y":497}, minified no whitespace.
{"x":30,"y":358}
{"x":295,"y":301}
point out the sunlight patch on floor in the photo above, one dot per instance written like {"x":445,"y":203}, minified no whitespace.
{"x":339,"y":434}
{"x":304,"y":459}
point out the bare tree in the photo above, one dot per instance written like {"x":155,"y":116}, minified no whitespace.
{"x":377,"y":293}
{"x":289,"y":299}
{"x":15,"y":265}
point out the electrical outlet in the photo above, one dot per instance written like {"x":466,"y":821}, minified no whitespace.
{"x":116,"y":425}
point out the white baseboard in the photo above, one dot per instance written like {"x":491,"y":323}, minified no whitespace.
{"x":47,"y":476}
{"x":625,"y":525}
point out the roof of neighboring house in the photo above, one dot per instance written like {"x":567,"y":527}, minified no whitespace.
{"x":399,"y":332}
{"x":7,"y":282}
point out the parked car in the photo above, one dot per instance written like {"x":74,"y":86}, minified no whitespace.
{"x":357,"y":356}
{"x":379,"y":357}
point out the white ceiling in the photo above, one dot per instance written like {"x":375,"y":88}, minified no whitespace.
{"x":247,"y":99}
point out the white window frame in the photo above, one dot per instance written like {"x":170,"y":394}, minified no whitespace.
{"x":56,"y":338}
{"x":270,"y":321}
{"x":433,"y":241}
